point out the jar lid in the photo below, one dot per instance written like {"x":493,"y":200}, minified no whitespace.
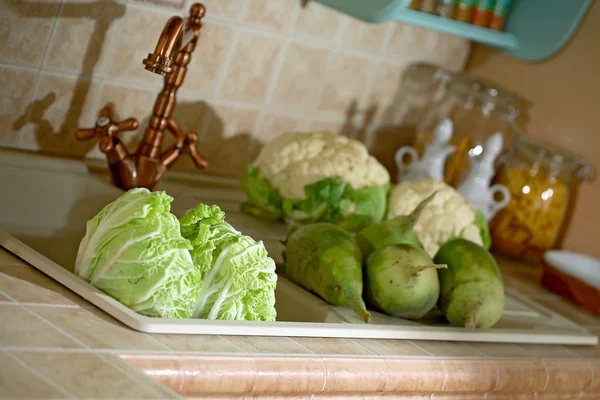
{"x":422,"y":74}
{"x":554,"y":156}
{"x":486,"y":90}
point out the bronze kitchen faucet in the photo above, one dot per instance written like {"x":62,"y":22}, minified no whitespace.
{"x":148,"y":164}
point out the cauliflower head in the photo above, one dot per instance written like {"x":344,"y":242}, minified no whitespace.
{"x":447,"y":216}
{"x":310,"y":177}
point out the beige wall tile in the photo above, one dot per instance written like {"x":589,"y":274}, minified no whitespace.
{"x":273,"y":125}
{"x":227,"y":138}
{"x":208,"y":57}
{"x":270,"y":14}
{"x":386,"y":88}
{"x":97,"y":329}
{"x":318,"y":21}
{"x":470,"y":376}
{"x":301,"y":76}
{"x":16,"y":381}
{"x":330,"y":126}
{"x":28,"y":285}
{"x":83,"y":35}
{"x":414,"y":376}
{"x":24,"y":30}
{"x":3,"y":298}
{"x":141,"y":28}
{"x":332,"y":346}
{"x":449,"y":51}
{"x":17,"y":87}
{"x":87,"y":375}
{"x":289,"y":375}
{"x":388,"y":347}
{"x":364,"y":36}
{"x":7,"y":258}
{"x":410,"y":41}
{"x":62,"y":104}
{"x":230,"y":9}
{"x":259,"y":344}
{"x":202,"y":343}
{"x":20,"y":328}
{"x":346,"y":79}
{"x":355,"y":375}
{"x":251,"y":68}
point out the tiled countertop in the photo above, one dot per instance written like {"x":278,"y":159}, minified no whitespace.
{"x":57,"y":345}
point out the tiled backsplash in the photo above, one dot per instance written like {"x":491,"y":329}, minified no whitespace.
{"x":261,"y":67}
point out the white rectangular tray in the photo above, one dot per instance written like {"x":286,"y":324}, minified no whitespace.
{"x":44,"y":206}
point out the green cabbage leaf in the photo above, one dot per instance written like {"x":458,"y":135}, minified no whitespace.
{"x":134,"y":252}
{"x":238,"y":276}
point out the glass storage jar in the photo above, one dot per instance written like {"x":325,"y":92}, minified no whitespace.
{"x":477,"y":109}
{"x":419,"y":89}
{"x":543,"y":180}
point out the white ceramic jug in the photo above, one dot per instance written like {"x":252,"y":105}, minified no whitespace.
{"x":431,"y":164}
{"x":476,"y":186}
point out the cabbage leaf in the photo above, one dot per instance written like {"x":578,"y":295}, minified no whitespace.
{"x":134,"y":252}
{"x":238,"y":275}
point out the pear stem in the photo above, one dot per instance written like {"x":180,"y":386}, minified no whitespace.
{"x":420,"y":268}
{"x":471,"y":322}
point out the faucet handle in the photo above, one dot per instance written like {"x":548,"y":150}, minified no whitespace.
{"x":189,"y":146}
{"x":106,"y":129}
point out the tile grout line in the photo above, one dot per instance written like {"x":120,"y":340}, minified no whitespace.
{"x":131,"y":371}
{"x":229,"y":54}
{"x":387,"y":39}
{"x":233,"y":344}
{"x":73,"y":338}
{"x":37,"y":373}
{"x":42,"y":305}
{"x":303,"y":346}
{"x":421,"y":348}
{"x":276,"y":74}
{"x":40,"y":69}
{"x":157,"y":341}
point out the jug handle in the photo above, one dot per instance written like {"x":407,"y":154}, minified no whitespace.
{"x":496,"y":206}
{"x":399,"y":157}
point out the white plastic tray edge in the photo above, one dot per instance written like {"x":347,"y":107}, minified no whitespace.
{"x":292,"y":329}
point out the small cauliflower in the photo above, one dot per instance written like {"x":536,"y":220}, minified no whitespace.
{"x":317,"y":177}
{"x":447,"y":216}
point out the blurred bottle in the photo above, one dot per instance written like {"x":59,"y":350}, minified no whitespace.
{"x":482,"y":14}
{"x":447,"y":8}
{"x":500,"y":12}
{"x":464,"y":10}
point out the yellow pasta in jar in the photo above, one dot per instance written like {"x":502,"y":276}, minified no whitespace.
{"x":530,"y":224}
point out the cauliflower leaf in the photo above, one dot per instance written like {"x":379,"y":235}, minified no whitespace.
{"x":263,"y":200}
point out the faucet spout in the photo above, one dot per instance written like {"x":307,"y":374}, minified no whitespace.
{"x":161,"y":61}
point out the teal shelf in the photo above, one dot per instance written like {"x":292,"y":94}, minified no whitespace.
{"x":490,"y":37}
{"x":534,"y":30}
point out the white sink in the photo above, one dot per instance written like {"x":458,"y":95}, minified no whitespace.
{"x":45,"y":203}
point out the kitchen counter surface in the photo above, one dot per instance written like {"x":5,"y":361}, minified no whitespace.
{"x":56,"y":344}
